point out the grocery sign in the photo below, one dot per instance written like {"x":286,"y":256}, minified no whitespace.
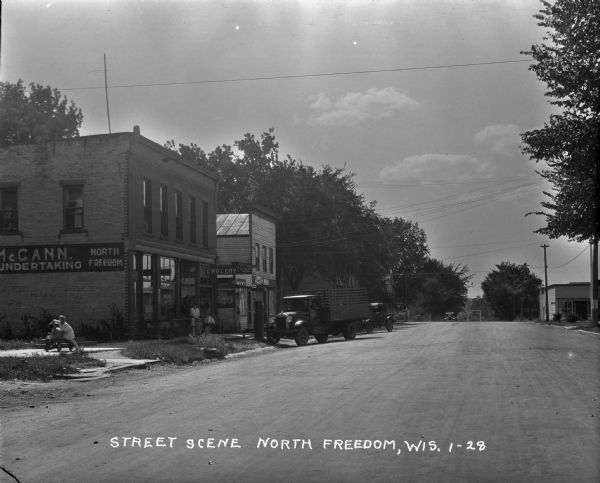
{"x":96,"y":257}
{"x":229,"y":271}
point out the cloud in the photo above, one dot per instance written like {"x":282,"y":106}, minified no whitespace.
{"x":500,"y":138}
{"x":356,"y":107}
{"x":416,"y":169}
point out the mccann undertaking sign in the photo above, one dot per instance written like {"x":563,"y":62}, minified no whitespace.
{"x":96,"y":257}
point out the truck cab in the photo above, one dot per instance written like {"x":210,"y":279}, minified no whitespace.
{"x":308,"y":307}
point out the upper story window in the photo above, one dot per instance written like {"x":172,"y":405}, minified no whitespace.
{"x":147,"y":194}
{"x":271,"y":257}
{"x":73,"y":207}
{"x":256,"y":256}
{"x":164,"y":211}
{"x":264,"y":258}
{"x":192,"y":219}
{"x":178,"y":215}
{"x":9,"y":214}
{"x":205,"y":223}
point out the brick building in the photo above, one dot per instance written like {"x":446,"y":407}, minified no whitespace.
{"x":105,"y":221}
{"x":246,"y":269}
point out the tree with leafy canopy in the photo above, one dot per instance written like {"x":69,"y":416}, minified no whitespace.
{"x":36,"y":114}
{"x":325,"y":224}
{"x":569,"y":63}
{"x":404,"y":250}
{"x":440,"y":287}
{"x":512,"y":291}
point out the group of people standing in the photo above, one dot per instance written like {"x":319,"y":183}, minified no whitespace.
{"x":202,"y":325}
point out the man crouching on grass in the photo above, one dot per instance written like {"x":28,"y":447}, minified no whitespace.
{"x":66,"y":331}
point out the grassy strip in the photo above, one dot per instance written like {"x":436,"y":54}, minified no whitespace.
{"x":45,"y":367}
{"x":187,"y":350}
{"x":15,"y":344}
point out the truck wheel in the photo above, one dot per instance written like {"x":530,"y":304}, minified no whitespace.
{"x":349,"y":332}
{"x":389,"y":325}
{"x":321,"y":338}
{"x":272,"y":338}
{"x":301,"y":336}
{"x":368,"y":326}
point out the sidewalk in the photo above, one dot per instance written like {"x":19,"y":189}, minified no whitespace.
{"x":110,"y":353}
{"x":581,"y":326}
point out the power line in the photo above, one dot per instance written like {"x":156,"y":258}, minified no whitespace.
{"x":480,"y":194}
{"x":435,"y":211}
{"x":297,"y":76}
{"x":572,"y":259}
{"x":473,"y":204}
{"x":482,"y":244}
{"x":443,"y":210}
{"x":444,"y":182}
{"x":491,"y":251}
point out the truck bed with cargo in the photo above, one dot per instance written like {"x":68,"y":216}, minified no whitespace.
{"x":320,"y":313}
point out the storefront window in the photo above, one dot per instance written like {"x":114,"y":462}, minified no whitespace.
{"x":204,"y":300}
{"x":225,"y":298}
{"x":168,"y":285}
{"x":204,"y":277}
{"x":188,"y":279}
{"x":147,"y":286}
{"x":241,"y":303}
{"x":135,"y":285}
{"x":227,"y":309}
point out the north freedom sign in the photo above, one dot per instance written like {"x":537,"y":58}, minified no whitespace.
{"x":96,"y":257}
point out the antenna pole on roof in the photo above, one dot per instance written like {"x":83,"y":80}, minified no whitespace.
{"x":106,"y":95}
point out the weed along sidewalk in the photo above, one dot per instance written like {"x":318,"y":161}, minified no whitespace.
{"x":30,"y":363}
{"x":39,"y":365}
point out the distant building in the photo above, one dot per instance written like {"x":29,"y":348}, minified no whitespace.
{"x":246,"y":269}
{"x":107,"y":220}
{"x":566,"y":299}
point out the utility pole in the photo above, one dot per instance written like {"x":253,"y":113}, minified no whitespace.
{"x":594,"y":282}
{"x":106,"y":94}
{"x":544,"y":246}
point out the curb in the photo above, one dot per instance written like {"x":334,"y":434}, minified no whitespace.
{"x":122,"y":366}
{"x":104,"y":372}
{"x":588,"y":332}
{"x":249,"y":352}
{"x":116,"y":365}
{"x":574,"y":329}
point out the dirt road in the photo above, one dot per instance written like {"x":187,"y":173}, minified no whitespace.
{"x":483,"y":402}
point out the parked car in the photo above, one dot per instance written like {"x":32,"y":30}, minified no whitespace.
{"x":449,"y":316}
{"x":380,"y":316}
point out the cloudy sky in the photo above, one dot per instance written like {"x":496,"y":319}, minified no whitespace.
{"x":423,"y":100}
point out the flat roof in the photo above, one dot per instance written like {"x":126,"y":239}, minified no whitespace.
{"x":570,"y":284}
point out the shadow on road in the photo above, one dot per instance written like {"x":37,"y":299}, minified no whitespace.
{"x":290,"y":344}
